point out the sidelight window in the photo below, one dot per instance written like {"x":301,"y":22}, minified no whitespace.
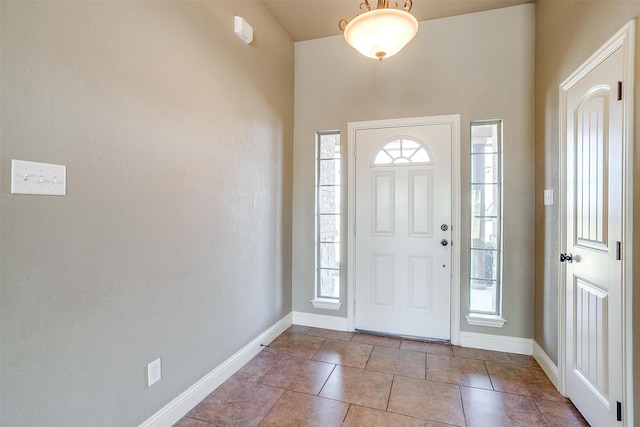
{"x":328,"y":238}
{"x":485,"y":266}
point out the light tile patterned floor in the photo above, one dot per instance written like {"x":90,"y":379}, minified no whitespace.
{"x":317,"y":377}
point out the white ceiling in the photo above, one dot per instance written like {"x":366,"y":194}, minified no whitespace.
{"x":312,"y":19}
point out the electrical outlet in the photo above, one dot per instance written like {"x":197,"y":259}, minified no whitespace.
{"x":548,"y":197}
{"x":154,"y":372}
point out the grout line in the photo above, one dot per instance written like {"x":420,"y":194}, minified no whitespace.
{"x":393,"y":380}
{"x":541,"y":413}
{"x":484,"y":362}
{"x":326,"y":380}
{"x":274,"y":404}
{"x":347,"y":413}
{"x":464,"y":414}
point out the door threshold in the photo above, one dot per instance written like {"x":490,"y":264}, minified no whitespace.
{"x":404,"y":337}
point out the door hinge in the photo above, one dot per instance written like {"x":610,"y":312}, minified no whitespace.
{"x":619,"y":411}
{"x":618,"y":251}
{"x":619,"y":91}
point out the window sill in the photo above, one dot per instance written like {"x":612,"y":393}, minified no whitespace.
{"x":326,"y":303}
{"x":490,"y":320}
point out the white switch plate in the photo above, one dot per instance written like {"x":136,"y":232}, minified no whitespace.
{"x":38,"y":178}
{"x":154,"y":372}
{"x":548,"y":197}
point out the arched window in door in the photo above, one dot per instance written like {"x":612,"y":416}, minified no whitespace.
{"x":402,"y":150}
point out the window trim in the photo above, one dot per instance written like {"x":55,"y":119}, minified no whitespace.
{"x":483,"y":318}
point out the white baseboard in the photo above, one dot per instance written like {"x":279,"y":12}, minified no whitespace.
{"x":545,"y":362}
{"x":496,"y":343}
{"x":178,"y":407}
{"x":320,"y":321}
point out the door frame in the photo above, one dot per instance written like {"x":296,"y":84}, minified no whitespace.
{"x":454,"y":122}
{"x":623,"y":39}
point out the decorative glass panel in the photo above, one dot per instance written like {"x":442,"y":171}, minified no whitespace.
{"x":329,"y":199}
{"x":330,"y":228}
{"x":329,"y":255}
{"x":402,"y":151}
{"x":330,"y":171}
{"x":330,"y":283}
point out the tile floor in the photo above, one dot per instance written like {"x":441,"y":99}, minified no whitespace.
{"x":318,"y":377}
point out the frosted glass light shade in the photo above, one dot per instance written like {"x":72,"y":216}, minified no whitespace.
{"x":381,"y":33}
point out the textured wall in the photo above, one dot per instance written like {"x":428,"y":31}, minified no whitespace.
{"x":174,"y":239}
{"x":479,"y":66}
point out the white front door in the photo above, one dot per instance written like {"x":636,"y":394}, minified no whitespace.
{"x":594,"y":165}
{"x":403,"y":230}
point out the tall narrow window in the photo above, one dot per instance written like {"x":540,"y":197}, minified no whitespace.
{"x":328,"y":220}
{"x":486,"y":221}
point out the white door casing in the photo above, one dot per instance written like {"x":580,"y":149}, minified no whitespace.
{"x":396,"y":260}
{"x":593,"y":315}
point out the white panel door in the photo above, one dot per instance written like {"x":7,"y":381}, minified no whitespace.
{"x":594,"y":228}
{"x":403,"y":229}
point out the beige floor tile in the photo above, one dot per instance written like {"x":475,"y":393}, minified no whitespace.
{"x":532,"y":382}
{"x":427,"y":347}
{"x":458,"y":370}
{"x":560,"y":414}
{"x":523,"y":360}
{"x":237,"y":403}
{"x":359,"y":416}
{"x":255,"y":369}
{"x":428,"y":400}
{"x":327,"y":333}
{"x":344,"y":353}
{"x":297,"y":345}
{"x":398,"y":362}
{"x":486,"y":408}
{"x":475,"y":353}
{"x":297,"y":329}
{"x":376,"y":340}
{"x":360,"y":387}
{"x":191,"y":422}
{"x":292,"y":373}
{"x":303,"y":410}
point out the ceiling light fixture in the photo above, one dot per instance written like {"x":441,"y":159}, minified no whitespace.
{"x":382,"y":32}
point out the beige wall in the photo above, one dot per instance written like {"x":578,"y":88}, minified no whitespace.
{"x":567,"y":33}
{"x":174,"y":238}
{"x":479,"y":66}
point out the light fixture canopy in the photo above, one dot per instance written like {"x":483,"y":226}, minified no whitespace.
{"x":382,"y":32}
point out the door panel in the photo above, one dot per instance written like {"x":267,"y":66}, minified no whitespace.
{"x":594,"y":225}
{"x":420,"y":202}
{"x":383,"y":203}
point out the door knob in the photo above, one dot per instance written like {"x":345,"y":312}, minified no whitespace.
{"x":566,"y":257}
{"x":444,"y":242}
